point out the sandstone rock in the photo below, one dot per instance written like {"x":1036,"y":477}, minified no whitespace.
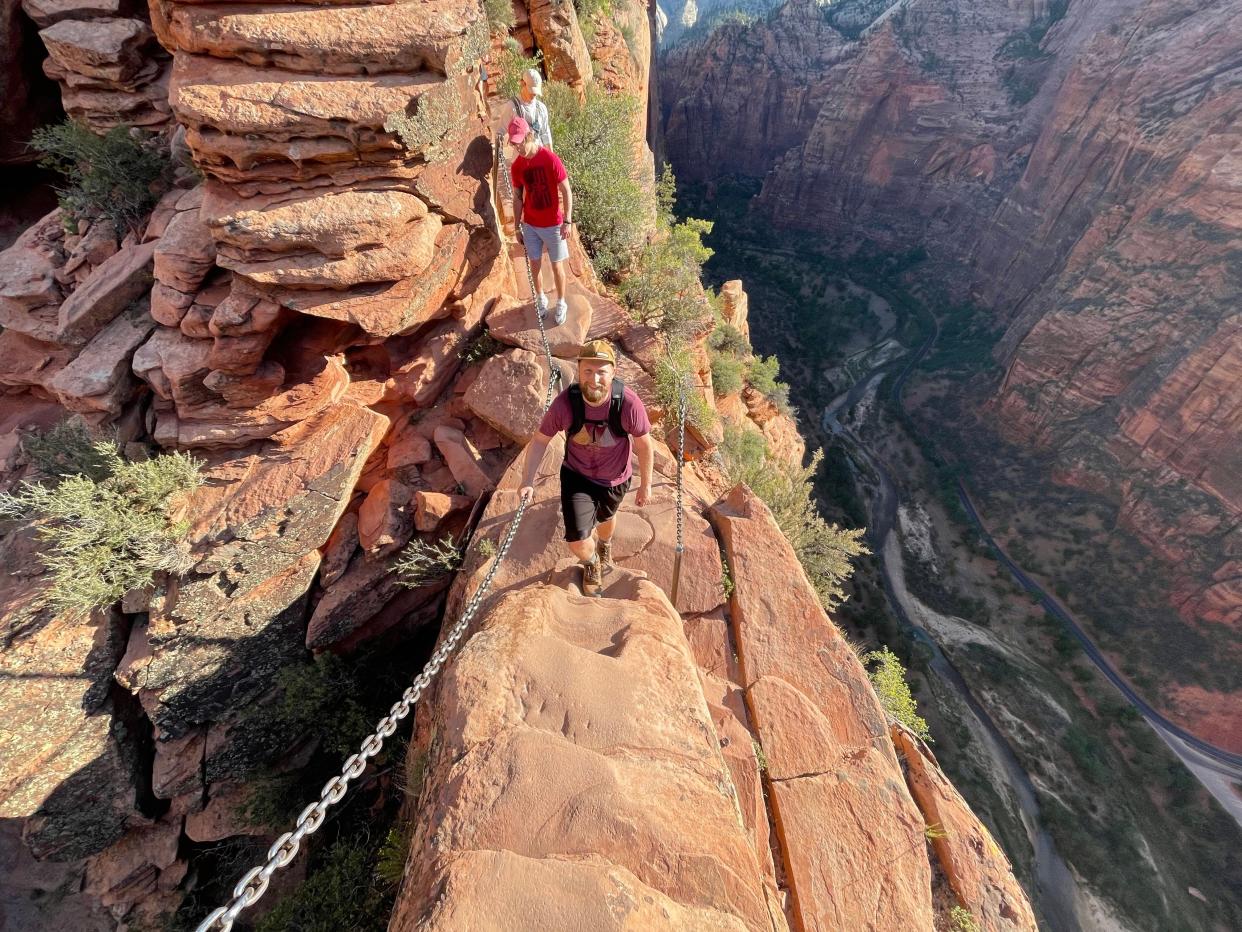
{"x":508,"y":394}
{"x":382,"y":309}
{"x":431,"y":508}
{"x":463,"y":460}
{"x":610,"y":704}
{"x":100,"y":378}
{"x":368,"y":601}
{"x":735,"y":306}
{"x":385,"y":519}
{"x":25,"y":361}
{"x":67,"y":760}
{"x":221,"y":818}
{"x":47,"y":12}
{"x":29,"y":291}
{"x":977,"y":870}
{"x":339,"y":549}
{"x":826,"y":741}
{"x":406,"y":38}
{"x":185,"y":253}
{"x":564,"y":50}
{"x":102,"y":48}
{"x":218,"y":636}
{"x":516,"y":325}
{"x":422,"y":368}
{"x":114,"y":285}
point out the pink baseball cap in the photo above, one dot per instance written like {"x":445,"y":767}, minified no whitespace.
{"x":518,"y":128}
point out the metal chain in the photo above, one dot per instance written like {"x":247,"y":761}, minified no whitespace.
{"x":554,"y":374}
{"x":681,"y":459}
{"x":282,"y":852}
{"x":252,"y":886}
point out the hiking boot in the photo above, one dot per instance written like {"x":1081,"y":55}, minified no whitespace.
{"x":541,"y":304}
{"x":604,"y":549}
{"x":562,"y":312}
{"x":593,"y":577}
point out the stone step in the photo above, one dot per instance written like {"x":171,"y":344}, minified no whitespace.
{"x":425,"y":35}
{"x":242,"y":115}
{"x":576,"y":751}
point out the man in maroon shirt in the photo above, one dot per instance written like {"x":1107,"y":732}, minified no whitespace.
{"x":604,"y":421}
{"x":540,"y":184}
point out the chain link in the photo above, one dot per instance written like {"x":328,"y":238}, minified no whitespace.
{"x":254,"y":884}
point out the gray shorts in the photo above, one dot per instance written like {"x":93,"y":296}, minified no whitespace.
{"x":539,"y":239}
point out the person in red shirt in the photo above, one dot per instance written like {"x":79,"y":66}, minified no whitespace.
{"x":540,"y":186}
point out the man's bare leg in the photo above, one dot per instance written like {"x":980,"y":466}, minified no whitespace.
{"x":558,"y":278}
{"x":536,"y":266}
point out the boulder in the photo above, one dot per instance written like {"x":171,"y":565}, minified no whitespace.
{"x":517,"y":324}
{"x":220,"y":633}
{"x":565,"y":54}
{"x":463,"y":460}
{"x":825,"y":737}
{"x":112,"y":286}
{"x":431,"y":508}
{"x":509,"y":392}
{"x":610,"y":704}
{"x":100,"y":379}
{"x":973,"y":863}
{"x":385,"y":519}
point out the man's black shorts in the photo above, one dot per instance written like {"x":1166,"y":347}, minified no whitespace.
{"x":585,"y":503}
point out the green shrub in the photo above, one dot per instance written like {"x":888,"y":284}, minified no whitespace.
{"x":107,"y":531}
{"x":663,"y":290}
{"x":390,"y":864}
{"x":511,"y":67}
{"x":68,"y":449}
{"x":962,"y":920}
{"x":889,"y":680}
{"x":728,"y":339}
{"x":595,"y":140}
{"x":438,"y":112}
{"x":675,"y":375}
{"x":726,"y":374}
{"x":762,"y":372}
{"x":339,"y":892}
{"x":824,"y":549}
{"x":482,"y":347}
{"x":586,"y":8}
{"x":319,"y":698}
{"x":424,"y":561}
{"x":117,"y":177}
{"x":500,"y":18}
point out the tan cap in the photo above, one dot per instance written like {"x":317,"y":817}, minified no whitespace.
{"x":598,"y":349}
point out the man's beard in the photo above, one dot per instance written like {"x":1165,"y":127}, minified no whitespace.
{"x":593,"y":394}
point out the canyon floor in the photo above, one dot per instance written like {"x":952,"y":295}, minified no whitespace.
{"x":1148,"y":847}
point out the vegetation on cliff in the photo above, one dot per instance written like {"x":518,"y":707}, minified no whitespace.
{"x":118,"y":176}
{"x":107,"y":524}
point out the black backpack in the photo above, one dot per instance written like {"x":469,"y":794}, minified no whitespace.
{"x":577,"y":404}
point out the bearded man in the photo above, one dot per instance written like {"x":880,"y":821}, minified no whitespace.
{"x":604,"y":422}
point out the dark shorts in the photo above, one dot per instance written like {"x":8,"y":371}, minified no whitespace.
{"x":585,"y":503}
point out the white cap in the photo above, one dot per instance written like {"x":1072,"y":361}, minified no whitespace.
{"x":536,"y":80}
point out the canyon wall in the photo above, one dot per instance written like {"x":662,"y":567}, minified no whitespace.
{"x":1074,"y":168}
{"x":296,"y":313}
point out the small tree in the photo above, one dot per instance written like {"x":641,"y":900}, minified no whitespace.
{"x":500,"y":18}
{"x":726,"y":374}
{"x":117,"y":177}
{"x":664,"y":289}
{"x":422,"y":562}
{"x":824,"y":550}
{"x":889,"y":679}
{"x":675,"y":376}
{"x":595,"y":139}
{"x":107,"y":530}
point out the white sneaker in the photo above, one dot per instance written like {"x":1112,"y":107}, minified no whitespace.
{"x":541,"y":304}
{"x":562,"y":312}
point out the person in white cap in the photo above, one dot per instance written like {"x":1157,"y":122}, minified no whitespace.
{"x":530,"y":108}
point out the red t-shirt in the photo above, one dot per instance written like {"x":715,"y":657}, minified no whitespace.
{"x":538,"y":177}
{"x":596,"y":453}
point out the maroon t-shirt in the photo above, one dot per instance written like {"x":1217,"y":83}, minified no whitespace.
{"x":538,"y":177}
{"x":595,"y":452}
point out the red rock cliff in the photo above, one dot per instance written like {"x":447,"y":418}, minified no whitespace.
{"x":1081,"y":164}
{"x":294,"y":314}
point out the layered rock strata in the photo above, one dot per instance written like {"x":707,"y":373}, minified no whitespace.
{"x":1073,"y":168}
